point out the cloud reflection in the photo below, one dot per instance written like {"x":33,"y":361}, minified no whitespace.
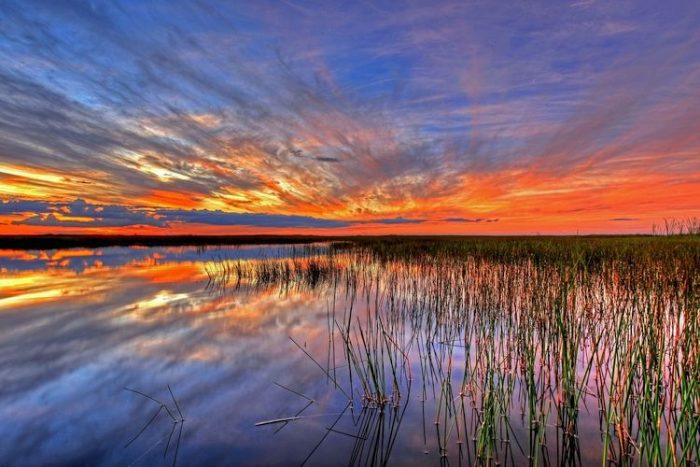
{"x":146,"y":325}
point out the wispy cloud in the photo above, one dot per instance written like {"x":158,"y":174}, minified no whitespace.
{"x":374,"y":111}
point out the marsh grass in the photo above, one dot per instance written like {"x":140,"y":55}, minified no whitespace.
{"x":174,"y":414}
{"x":511,"y":341}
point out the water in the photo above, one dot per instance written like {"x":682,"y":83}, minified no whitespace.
{"x":77,"y":327}
{"x":88,"y":338}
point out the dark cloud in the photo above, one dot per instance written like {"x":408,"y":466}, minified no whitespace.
{"x":247,"y":219}
{"x":21,"y":207}
{"x":397,"y":221}
{"x":47,"y":214}
{"x":327,"y":159}
{"x":93,"y":215}
{"x":470,"y":220}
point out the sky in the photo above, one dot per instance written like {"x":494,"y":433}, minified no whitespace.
{"x":357,"y":117}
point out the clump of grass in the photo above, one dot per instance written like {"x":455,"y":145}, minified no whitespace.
{"x":529,"y":331}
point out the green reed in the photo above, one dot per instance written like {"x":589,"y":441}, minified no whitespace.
{"x":507,"y":335}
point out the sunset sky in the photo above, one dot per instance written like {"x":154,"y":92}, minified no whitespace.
{"x":368,"y":117}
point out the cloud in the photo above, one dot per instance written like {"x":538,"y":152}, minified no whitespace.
{"x":21,"y":206}
{"x":80,"y":213}
{"x":247,"y":219}
{"x":327,"y":159}
{"x":470,"y":220}
{"x":396,"y":221}
{"x":396,"y":110}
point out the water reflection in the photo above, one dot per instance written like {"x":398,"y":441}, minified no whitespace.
{"x":282,"y":356}
{"x":72,"y":338}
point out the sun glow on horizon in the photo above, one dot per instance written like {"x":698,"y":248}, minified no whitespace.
{"x":362,"y":120}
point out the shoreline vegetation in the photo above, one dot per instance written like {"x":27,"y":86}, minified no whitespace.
{"x":509,"y":350}
{"x":520,"y":242}
{"x":539,"y":351}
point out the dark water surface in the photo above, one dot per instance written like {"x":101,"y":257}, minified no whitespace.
{"x":371,"y":362}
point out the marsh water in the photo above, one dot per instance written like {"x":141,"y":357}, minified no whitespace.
{"x":283,"y":355}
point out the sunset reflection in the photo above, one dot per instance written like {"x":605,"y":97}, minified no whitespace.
{"x":146,"y":322}
{"x":401,"y":353}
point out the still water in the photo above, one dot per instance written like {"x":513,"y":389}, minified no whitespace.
{"x":79,"y":326}
{"x":162,"y":356}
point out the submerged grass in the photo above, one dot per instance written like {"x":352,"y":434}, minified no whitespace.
{"x":512,"y":341}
